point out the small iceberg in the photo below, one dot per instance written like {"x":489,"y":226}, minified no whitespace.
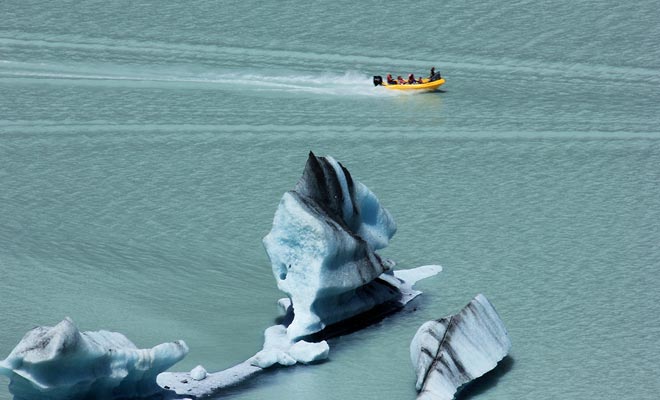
{"x":452,"y":351}
{"x":61,"y":362}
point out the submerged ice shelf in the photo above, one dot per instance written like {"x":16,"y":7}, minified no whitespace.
{"x":278,"y":346}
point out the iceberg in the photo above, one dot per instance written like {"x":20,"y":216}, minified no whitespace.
{"x":322,"y":247}
{"x":322,"y":250}
{"x":61,"y":362}
{"x":452,"y":351}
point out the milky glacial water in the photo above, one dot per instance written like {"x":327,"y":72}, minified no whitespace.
{"x":144,"y":148}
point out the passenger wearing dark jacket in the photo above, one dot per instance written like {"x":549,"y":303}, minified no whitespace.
{"x":411,"y":79}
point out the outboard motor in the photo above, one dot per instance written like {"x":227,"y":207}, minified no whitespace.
{"x":378,"y":80}
{"x":435,"y":77}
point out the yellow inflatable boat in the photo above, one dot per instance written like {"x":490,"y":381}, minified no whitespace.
{"x":427,"y":85}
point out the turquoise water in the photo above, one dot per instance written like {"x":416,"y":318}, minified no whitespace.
{"x":144,"y":149}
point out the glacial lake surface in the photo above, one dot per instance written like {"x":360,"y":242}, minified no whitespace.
{"x":144,"y":147}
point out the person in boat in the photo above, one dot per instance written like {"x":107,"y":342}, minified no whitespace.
{"x":420,"y":80}
{"x":390,"y":80}
{"x":400,"y":80}
{"x":434,"y":75}
{"x":411,"y":79}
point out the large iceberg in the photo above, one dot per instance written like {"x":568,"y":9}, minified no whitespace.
{"x":452,"y":351}
{"x":322,"y":250}
{"x":322,"y":247}
{"x":61,"y":362}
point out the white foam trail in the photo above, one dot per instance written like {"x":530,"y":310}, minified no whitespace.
{"x":332,"y":84}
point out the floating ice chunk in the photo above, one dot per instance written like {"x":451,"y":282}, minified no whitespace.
{"x":406,"y":279}
{"x":268,"y":358}
{"x":280,"y":349}
{"x":452,"y":351}
{"x":198,"y":373}
{"x":61,"y":362}
{"x":276,"y":345}
{"x":307,"y":353}
{"x":322,"y":247}
{"x":183,"y":384}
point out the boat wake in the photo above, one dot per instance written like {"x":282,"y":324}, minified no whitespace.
{"x":331,"y":84}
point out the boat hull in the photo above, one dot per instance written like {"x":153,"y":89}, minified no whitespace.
{"x":417,"y":87}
